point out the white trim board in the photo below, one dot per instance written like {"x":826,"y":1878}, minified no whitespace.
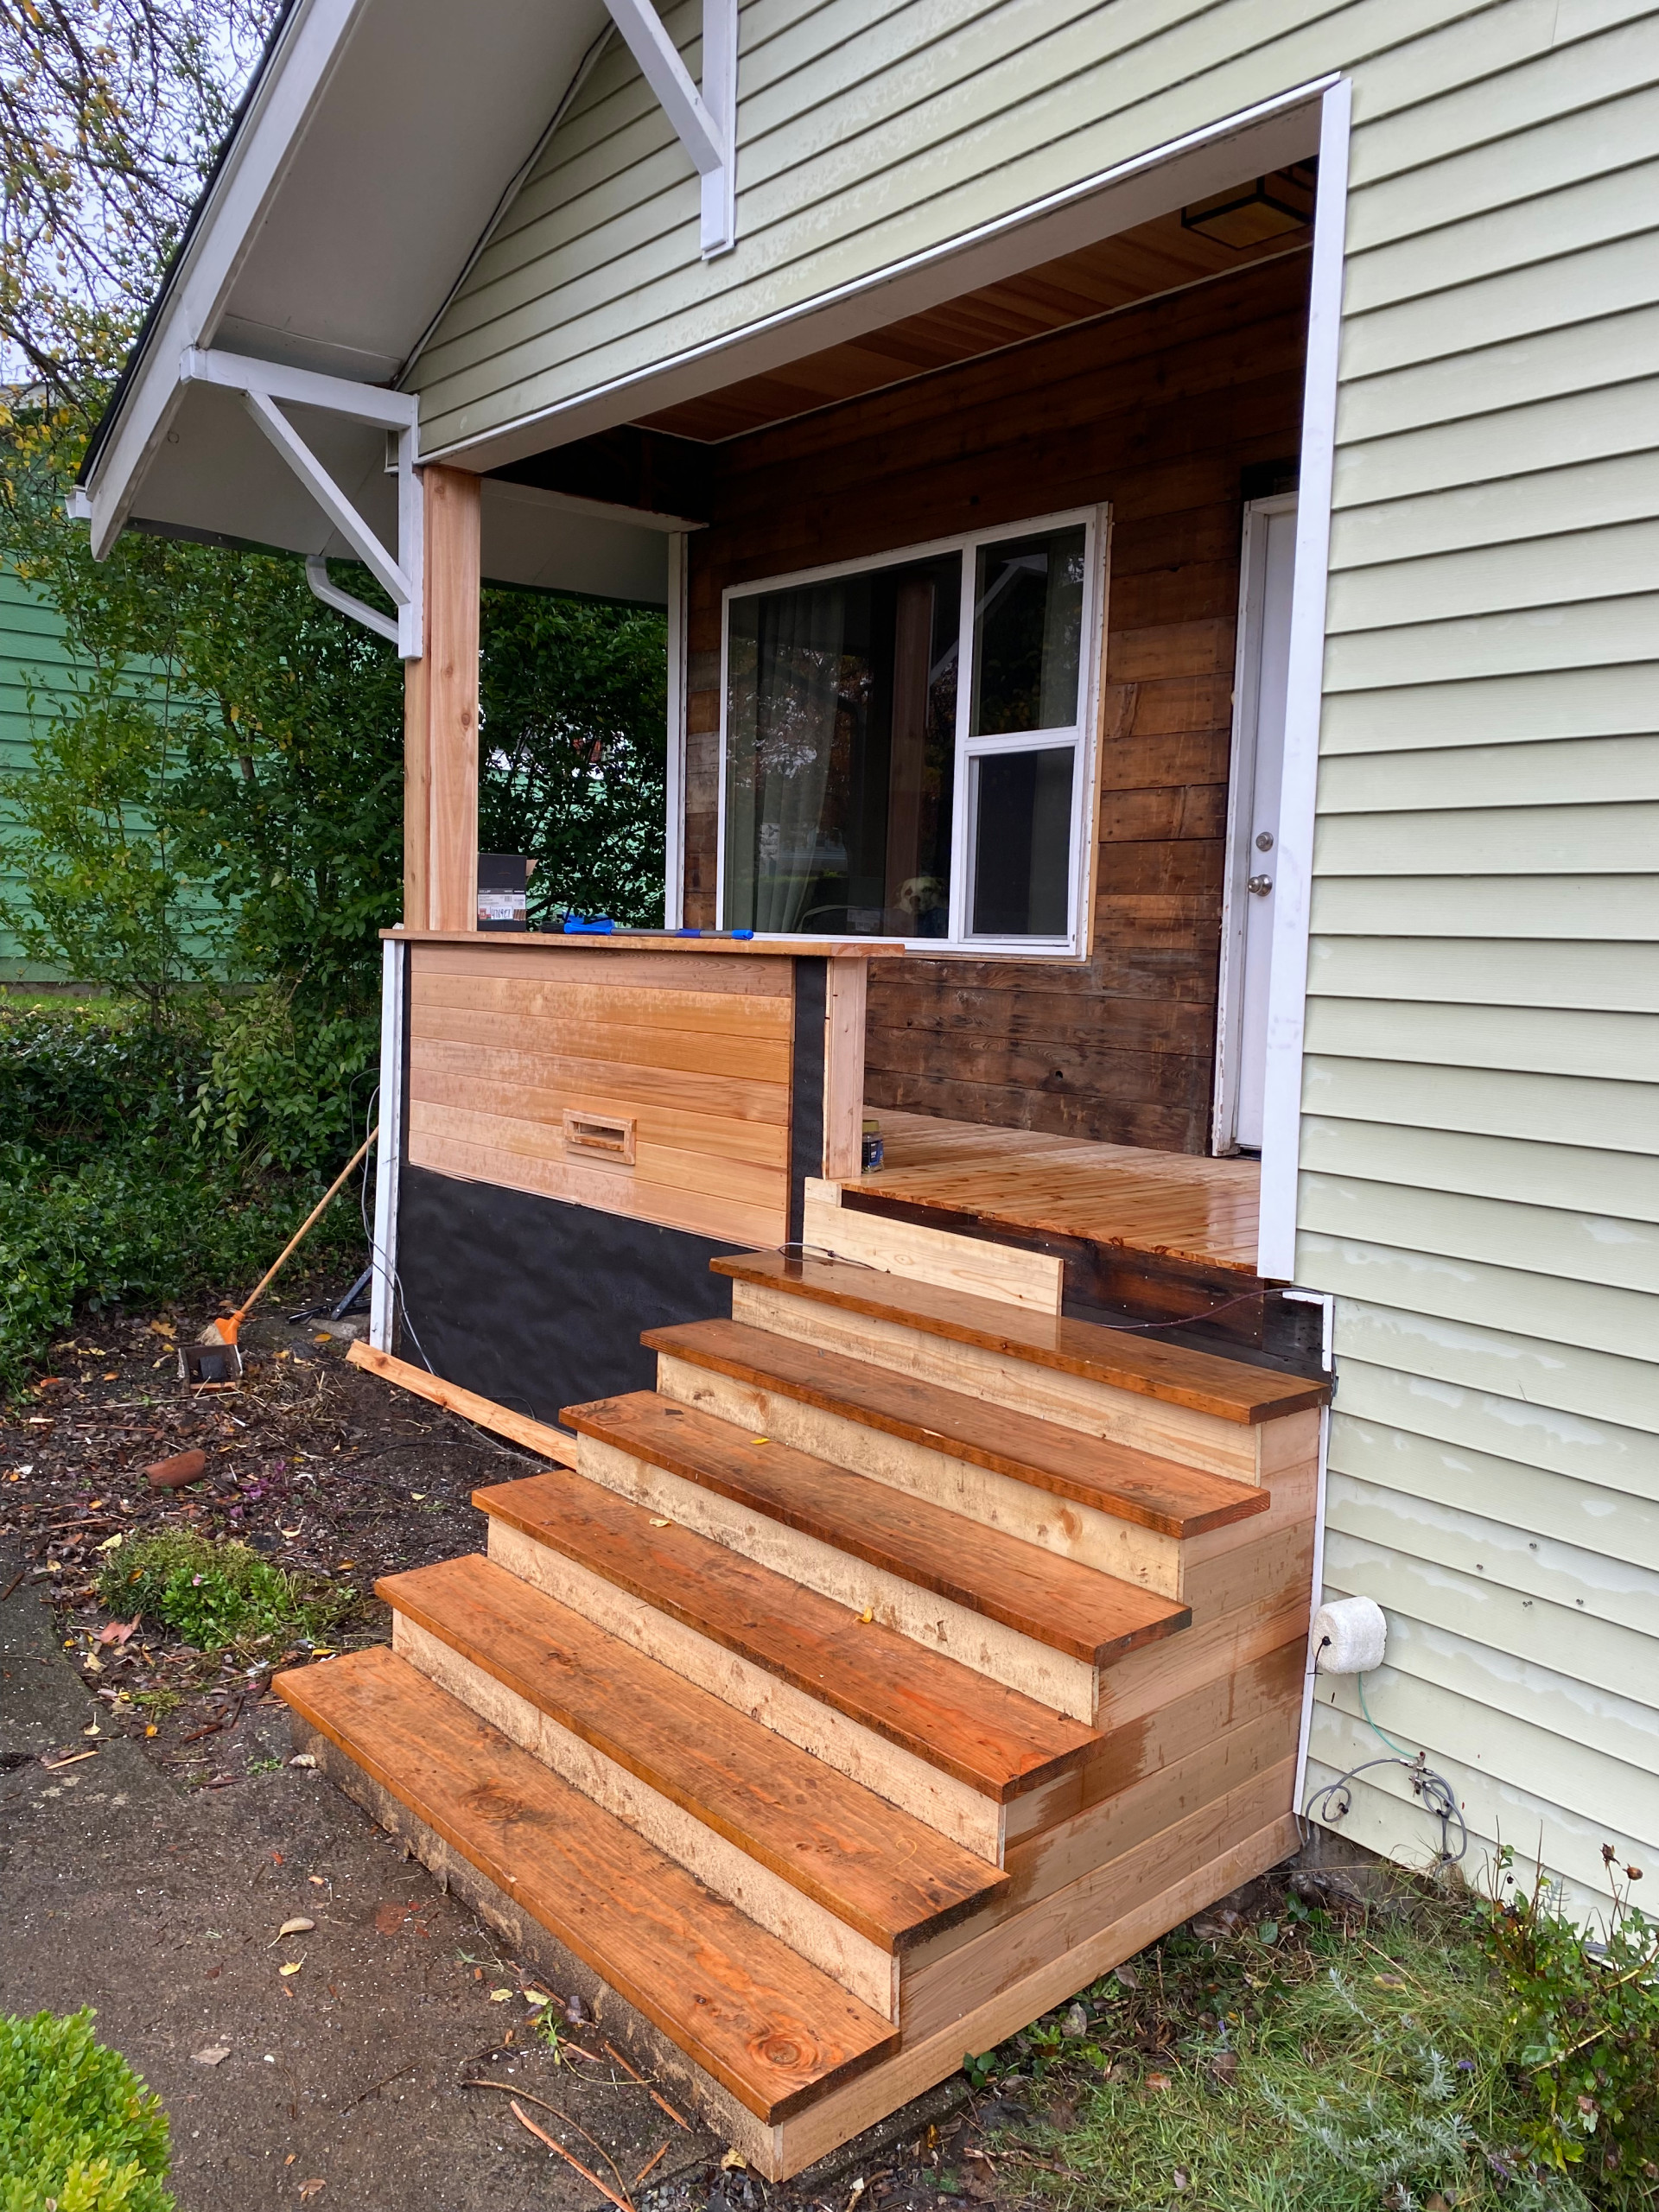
{"x":1305,"y":689}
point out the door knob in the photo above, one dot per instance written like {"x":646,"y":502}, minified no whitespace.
{"x":1259,"y":885}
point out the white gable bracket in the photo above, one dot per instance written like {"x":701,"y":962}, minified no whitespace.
{"x":704,"y":120}
{"x":262,"y":384}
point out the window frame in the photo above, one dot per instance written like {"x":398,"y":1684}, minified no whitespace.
{"x":1081,"y":738}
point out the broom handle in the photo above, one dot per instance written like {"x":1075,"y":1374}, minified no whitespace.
{"x":272,"y":1273}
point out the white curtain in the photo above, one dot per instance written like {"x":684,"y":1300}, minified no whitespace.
{"x":797,"y":685}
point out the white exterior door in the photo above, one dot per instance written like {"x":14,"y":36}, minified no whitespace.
{"x":1267,"y":569}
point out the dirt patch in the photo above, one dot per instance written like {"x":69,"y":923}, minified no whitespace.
{"x":324,"y":1471}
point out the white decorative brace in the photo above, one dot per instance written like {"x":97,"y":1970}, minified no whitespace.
{"x":263,"y":385}
{"x":705,"y":121}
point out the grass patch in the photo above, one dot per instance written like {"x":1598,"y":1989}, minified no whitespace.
{"x":78,"y":2128}
{"x":1296,"y":2060}
{"x":213,"y":1591}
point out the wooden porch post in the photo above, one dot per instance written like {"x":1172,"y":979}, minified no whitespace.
{"x":441,"y":717}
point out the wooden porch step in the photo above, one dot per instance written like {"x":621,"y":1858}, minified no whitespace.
{"x":1077,"y":1611}
{"x":1115,"y":1479}
{"x":993,"y":1741}
{"x":773,"y":2030}
{"x":874,"y":1867}
{"x":1200,"y":1382}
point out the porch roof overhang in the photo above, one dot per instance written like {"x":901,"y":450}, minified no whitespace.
{"x":377,"y":142}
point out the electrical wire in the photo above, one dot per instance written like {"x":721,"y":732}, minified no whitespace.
{"x":490,"y":1443}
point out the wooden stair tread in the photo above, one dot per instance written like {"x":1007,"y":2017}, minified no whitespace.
{"x":877,"y":1869}
{"x":995,"y":1740}
{"x":1113,"y":1477}
{"x":1230,"y":1390}
{"x":1054,"y":1601}
{"x":772,"y":2029}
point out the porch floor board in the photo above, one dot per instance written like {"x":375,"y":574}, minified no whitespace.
{"x":1174,"y":1204}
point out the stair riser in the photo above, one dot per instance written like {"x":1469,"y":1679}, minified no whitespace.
{"x":1168,"y":1432}
{"x":776,"y":1905}
{"x":525,"y":1939}
{"x":989,"y":1647}
{"x":1062,"y":1525}
{"x":949,"y":1806}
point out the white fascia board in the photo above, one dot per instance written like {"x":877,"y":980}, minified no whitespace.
{"x":292,"y":83}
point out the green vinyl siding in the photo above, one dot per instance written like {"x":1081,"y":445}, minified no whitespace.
{"x":1480,"y":1169}
{"x":33,"y":661}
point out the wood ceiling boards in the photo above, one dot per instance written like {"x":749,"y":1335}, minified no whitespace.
{"x":1135,"y":265}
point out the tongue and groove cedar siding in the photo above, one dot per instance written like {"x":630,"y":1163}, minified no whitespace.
{"x":1172,"y":413}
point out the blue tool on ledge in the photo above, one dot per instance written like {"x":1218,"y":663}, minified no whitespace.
{"x":601,"y":925}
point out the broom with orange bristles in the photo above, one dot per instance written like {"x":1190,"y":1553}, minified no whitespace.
{"x":216,"y":1357}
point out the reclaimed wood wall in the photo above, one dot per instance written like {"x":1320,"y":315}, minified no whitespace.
{"x":1174,"y":412}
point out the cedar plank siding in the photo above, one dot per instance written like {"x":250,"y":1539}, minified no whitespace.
{"x":1159,"y":411}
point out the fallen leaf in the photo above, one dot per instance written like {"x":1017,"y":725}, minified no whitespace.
{"x":389,"y":1919}
{"x":215,"y":2054}
{"x":322,"y":1338}
{"x":500,"y":1996}
{"x":1076,"y":2022}
{"x":150,"y":1729}
{"x":293,"y":1967}
{"x":91,"y":1729}
{"x":113,"y":1543}
{"x":93,"y":1663}
{"x":663,"y":1523}
{"x":118,"y":1632}
{"x":867,"y":1616}
{"x":163,"y":1329}
{"x":1180,"y":2178}
{"x":1127,"y":1975}
{"x":1435,"y":2203}
{"x":1389,"y":1981}
{"x":1224,"y":2065}
{"x":311,"y":2189}
{"x":304,"y":1758}
{"x":1159,"y":2082}
{"x":299,"y":1926}
{"x":734,"y":2158}
{"x":759,"y":1440}
{"x":293,"y":1532}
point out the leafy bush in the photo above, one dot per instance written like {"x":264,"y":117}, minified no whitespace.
{"x":73,"y":1078}
{"x":78,"y":2129}
{"x":1584,"y":2013}
{"x":114,"y":1197}
{"x":134,"y":1224}
{"x":282,"y":1090}
{"x":213,"y":1591}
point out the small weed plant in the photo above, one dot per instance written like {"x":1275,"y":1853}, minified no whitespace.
{"x":1584,"y":2017}
{"x":78,"y":2130}
{"x":1352,"y":2058}
{"x":213,"y":1591}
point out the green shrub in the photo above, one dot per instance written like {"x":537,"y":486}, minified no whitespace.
{"x":1584,"y":2010}
{"x":146,"y":1161}
{"x":78,"y":2130}
{"x":213,"y":1591}
{"x":72,"y":1078}
{"x":135,"y":1224}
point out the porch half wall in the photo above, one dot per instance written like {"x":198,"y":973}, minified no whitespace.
{"x":1171,"y":413}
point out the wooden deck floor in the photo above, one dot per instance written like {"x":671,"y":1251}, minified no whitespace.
{"x":1172,"y":1204}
